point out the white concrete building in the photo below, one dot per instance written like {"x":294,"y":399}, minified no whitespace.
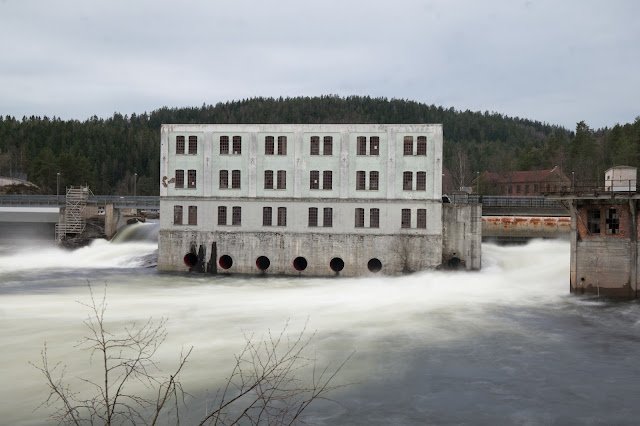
{"x":620,"y":179}
{"x":301,"y":199}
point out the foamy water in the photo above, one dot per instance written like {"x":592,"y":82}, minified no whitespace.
{"x":508,"y":336}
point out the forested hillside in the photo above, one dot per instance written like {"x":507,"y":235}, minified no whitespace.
{"x":105,"y":153}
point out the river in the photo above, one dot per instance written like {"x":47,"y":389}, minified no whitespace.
{"x":506,"y":345}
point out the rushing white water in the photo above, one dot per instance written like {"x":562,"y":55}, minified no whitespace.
{"x":504,"y":345}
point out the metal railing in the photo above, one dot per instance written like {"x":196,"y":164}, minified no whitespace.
{"x":592,"y":187}
{"x":118,"y":201}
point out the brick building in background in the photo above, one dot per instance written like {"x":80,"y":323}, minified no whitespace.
{"x":521,"y":184}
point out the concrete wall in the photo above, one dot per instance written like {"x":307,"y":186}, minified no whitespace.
{"x":604,"y":263}
{"x":396,"y":253}
{"x":525,"y":227}
{"x":462,"y":235}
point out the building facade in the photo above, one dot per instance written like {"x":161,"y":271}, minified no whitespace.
{"x":301,"y":199}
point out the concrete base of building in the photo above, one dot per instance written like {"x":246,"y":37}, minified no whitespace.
{"x":308,"y":254}
{"x":623,"y":292}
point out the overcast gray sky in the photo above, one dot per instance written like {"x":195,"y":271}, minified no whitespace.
{"x":554,"y":61}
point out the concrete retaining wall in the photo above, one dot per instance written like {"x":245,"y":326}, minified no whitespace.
{"x":397,"y":253}
{"x":462,"y":235}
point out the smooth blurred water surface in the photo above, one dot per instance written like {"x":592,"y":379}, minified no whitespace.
{"x":506,"y":345}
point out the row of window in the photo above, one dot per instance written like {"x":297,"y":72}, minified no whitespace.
{"x":192,"y":218}
{"x":327,"y":217}
{"x":281,"y":179}
{"x":421,"y":181}
{"x":314,"y":180}
{"x":612,"y":221}
{"x":327,"y":145}
{"x":406,"y":218}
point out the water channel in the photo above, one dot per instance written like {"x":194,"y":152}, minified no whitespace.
{"x":507,"y":345}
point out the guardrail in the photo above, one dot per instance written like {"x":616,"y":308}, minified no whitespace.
{"x":140,"y":202}
{"x":504,"y":201}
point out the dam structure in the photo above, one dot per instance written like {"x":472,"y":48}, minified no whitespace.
{"x":320,"y":200}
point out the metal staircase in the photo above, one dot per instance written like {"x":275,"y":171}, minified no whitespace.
{"x":73,"y":222}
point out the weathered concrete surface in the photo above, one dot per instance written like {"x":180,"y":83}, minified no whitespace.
{"x":605,"y":263}
{"x":526,"y":227}
{"x":462,"y":236}
{"x":30,"y":214}
{"x":397,"y":253}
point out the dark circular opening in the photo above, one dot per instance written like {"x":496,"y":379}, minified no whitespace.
{"x":374,"y":265}
{"x":336,"y":264}
{"x":454,"y":262}
{"x":300,"y":263}
{"x":190,"y":259}
{"x":263,"y":263}
{"x":225,"y":261}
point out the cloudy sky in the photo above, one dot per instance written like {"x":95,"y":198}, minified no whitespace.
{"x":555,"y":61}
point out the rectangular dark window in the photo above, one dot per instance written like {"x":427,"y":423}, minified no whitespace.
{"x":193,"y":215}
{"x":361,"y":177}
{"x":362,"y":145}
{"x":422,"y":145}
{"x":314,"y":179}
{"x":193,"y":144}
{"x":373,"y":180}
{"x":327,"y":179}
{"x":313,"y":216}
{"x":328,"y":217}
{"x":421,"y":181}
{"x":374,"y":145}
{"x":510,"y":189}
{"x":422,"y":218}
{"x":179,"y":144}
{"x":224,"y":144}
{"x":535,"y":188}
{"x":374,"y":218}
{"x":179,"y":179}
{"x":267,"y":216}
{"x":315,"y":145}
{"x":282,"y":145}
{"x":526,"y":189}
{"x":235,"y":179}
{"x":593,"y":221}
{"x":236,"y":216}
{"x":237,"y":144}
{"x":406,"y":218}
{"x":222,"y":215}
{"x":517,"y":189}
{"x":407,"y":181}
{"x":191,"y":179}
{"x":327,"y":148}
{"x":359,"y":218}
{"x":282,"y":179}
{"x":268,"y":179}
{"x":612,"y":221}
{"x":224,"y":179}
{"x":282,"y":216}
{"x":177,"y":215}
{"x":268,"y":145}
{"x":408,"y":145}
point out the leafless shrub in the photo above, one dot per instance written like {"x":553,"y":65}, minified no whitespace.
{"x":265,"y":385}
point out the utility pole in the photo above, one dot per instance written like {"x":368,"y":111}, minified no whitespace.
{"x":135,"y":182}
{"x":58,"y":187}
